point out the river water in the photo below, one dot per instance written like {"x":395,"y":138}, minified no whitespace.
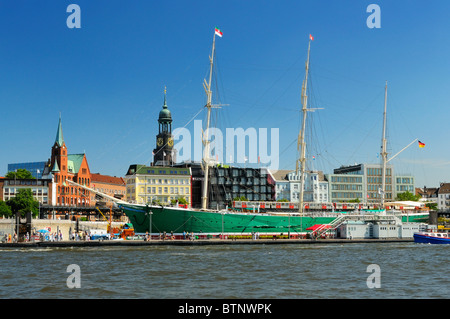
{"x":405,"y":270}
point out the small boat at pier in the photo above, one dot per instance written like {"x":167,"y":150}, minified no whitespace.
{"x":431,"y":238}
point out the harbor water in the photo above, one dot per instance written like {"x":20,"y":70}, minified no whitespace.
{"x":404,"y":270}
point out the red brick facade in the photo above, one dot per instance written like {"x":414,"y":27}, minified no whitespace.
{"x":72,"y":167}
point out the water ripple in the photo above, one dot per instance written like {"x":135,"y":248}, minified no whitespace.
{"x":238,"y":271}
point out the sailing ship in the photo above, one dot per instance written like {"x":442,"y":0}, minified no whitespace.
{"x":151,"y":218}
{"x":159,"y":219}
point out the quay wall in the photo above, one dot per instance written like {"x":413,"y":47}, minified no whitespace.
{"x":8,"y":225}
{"x":140,"y":243}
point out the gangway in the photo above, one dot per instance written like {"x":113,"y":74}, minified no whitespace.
{"x":359,"y":217}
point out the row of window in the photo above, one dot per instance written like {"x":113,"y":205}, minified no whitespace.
{"x":43,"y":199}
{"x":35,"y":191}
{"x":166,"y":172}
{"x":71,"y":191}
{"x":404,"y":188}
{"x":405,"y":180}
{"x":376,"y":187}
{"x":172,"y":181}
{"x":32,"y":182}
{"x":162,"y":199}
{"x":378,"y":196}
{"x":346,"y":187}
{"x":346,"y":179}
{"x":81,"y":180}
{"x":61,"y":200}
{"x":377,"y":180}
{"x":378,"y":171}
{"x":162,"y":190}
{"x":349,"y":195}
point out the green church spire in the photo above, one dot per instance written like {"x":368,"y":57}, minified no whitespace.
{"x":59,"y":133}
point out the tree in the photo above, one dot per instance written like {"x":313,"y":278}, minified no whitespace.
{"x":407,"y":196}
{"x":5,"y":210}
{"x":181,"y":201}
{"x":23,"y":203}
{"x":21,"y":173}
{"x":432,"y":206}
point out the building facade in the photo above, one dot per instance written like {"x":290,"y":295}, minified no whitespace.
{"x":282,"y":185}
{"x":315,"y":187}
{"x":158,"y":184}
{"x":35,"y":168}
{"x":228,"y":182}
{"x":444,"y":196}
{"x":363,"y":182}
{"x":109,"y":185}
{"x":404,"y":184}
{"x":62,"y":167}
{"x":40,"y":189}
{"x":428,"y":194}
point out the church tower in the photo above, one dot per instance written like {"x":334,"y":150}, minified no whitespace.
{"x":59,"y":152}
{"x":163,"y":153}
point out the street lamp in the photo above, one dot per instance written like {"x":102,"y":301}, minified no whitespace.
{"x":150,"y":213}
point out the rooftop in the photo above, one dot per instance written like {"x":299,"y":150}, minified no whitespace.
{"x":99,"y":178}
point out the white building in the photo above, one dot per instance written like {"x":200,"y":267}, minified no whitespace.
{"x":315,"y":188}
{"x":282,"y":185}
{"x":444,"y":196}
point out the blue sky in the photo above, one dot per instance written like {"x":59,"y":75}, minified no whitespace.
{"x":107,"y":78}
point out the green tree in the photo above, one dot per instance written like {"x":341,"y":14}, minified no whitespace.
{"x":181,"y":201}
{"x":5,"y":210}
{"x":21,"y":173}
{"x":432,"y":206}
{"x":407,"y":196}
{"x":24,"y":202}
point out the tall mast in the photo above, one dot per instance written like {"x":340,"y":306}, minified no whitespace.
{"x":207,"y":87}
{"x":384,"y":152}
{"x":301,"y":141}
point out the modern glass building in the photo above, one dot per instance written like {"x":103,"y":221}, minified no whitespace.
{"x":35,"y":168}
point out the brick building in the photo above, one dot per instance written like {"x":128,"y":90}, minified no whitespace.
{"x":62,"y":167}
{"x":109,"y":185}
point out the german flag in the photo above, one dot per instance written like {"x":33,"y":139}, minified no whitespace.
{"x":421,"y":145}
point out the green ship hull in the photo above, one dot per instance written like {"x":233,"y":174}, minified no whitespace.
{"x":179,"y":220}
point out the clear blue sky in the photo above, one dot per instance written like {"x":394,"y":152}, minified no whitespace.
{"x":107,"y":78}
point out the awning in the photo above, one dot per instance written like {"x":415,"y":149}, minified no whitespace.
{"x":405,"y":203}
{"x":317,"y":226}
